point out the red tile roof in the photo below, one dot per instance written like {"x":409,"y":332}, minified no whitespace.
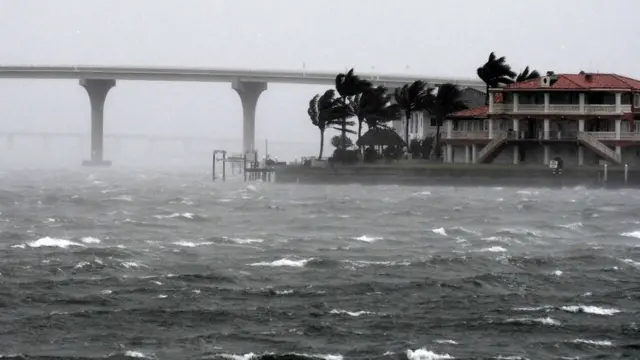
{"x":479,"y":112}
{"x":580,"y":82}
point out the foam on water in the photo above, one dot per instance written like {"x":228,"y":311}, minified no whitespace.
{"x":171,"y":265}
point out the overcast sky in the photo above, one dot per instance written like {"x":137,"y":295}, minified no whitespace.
{"x":439,"y":38}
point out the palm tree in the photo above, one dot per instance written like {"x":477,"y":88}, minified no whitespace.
{"x":381,"y":118}
{"x":441,"y":102}
{"x":494,"y":72}
{"x":349,"y":85}
{"x":410,"y":98}
{"x":326,"y":112}
{"x":374,"y":108}
{"x":526,"y":75}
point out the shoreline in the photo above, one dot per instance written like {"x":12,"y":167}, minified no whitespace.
{"x":420,"y":173}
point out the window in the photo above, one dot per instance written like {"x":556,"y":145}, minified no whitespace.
{"x":636,"y":100}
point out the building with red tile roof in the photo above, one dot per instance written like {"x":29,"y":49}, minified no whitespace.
{"x":585,"y":118}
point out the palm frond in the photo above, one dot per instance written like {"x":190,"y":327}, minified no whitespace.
{"x":496,"y":71}
{"x":313,"y":110}
{"x":527,"y":75}
{"x":350,"y":84}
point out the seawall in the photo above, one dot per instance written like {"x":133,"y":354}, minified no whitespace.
{"x":458,"y":175}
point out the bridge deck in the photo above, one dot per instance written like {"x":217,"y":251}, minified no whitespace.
{"x":149,"y":73}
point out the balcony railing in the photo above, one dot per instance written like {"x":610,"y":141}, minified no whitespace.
{"x":560,"y":109}
{"x":611,"y":135}
{"x":469,"y":135}
{"x":552,"y":135}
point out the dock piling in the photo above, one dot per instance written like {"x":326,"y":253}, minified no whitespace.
{"x":213,"y":165}
{"x":626,"y":173}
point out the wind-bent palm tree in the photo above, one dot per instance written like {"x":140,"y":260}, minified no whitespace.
{"x":326,"y":112}
{"x":494,"y":72}
{"x":526,"y":75}
{"x":349,"y":85}
{"x":374,"y":108}
{"x":410,"y":98}
{"x":447,"y":100}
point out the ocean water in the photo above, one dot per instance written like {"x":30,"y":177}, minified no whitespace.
{"x":168,"y":265}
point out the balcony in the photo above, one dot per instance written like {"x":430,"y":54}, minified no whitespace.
{"x":559,"y":109}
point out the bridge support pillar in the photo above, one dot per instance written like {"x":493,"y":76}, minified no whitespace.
{"x":249,"y":93}
{"x":97,"y":89}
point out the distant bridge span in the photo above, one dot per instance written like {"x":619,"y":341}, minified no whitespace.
{"x":152,"y":138}
{"x":52,"y":134}
{"x":249,"y":84}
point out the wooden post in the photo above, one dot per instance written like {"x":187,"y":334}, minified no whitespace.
{"x":224,"y":166}
{"x":605,"y":174}
{"x":626,"y":173}
{"x":213,"y":166}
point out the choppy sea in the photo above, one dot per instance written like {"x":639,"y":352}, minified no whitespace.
{"x":168,"y":265}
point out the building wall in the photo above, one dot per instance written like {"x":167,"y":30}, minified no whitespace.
{"x":533,"y":154}
{"x":459,"y":154}
{"x":420,"y":126}
{"x":631,"y":155}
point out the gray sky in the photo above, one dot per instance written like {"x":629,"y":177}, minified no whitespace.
{"x":440,"y":38}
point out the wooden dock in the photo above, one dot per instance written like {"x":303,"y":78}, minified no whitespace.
{"x":249,"y":166}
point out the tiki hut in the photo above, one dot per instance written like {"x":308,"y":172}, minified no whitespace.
{"x":380,"y":137}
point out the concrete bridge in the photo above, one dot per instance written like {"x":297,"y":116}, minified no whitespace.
{"x":249,"y":84}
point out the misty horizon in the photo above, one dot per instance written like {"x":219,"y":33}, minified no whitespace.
{"x":285,"y":35}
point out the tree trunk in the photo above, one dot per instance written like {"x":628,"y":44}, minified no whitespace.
{"x":360,"y":135}
{"x":407,"y":116}
{"x":343,"y":129}
{"x":321,"y":144}
{"x":486,"y":95}
{"x":343,"y":134}
{"x":436,"y":148}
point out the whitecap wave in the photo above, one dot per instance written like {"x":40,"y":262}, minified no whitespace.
{"x":244,"y":241}
{"x":572,"y":226}
{"x":53,"y":242}
{"x":445,"y":341}
{"x":132,"y":264}
{"x":493,"y":249}
{"x":590,"y":309}
{"x":186,"y":215}
{"x":531,"y":321}
{"x":136,"y":354}
{"x":284,"y":262}
{"x":426,"y":354}
{"x":593,"y":342}
{"x":368,"y":239}
{"x":439,"y":231}
{"x":633,"y":234}
{"x":192,"y":244}
{"x":631,"y":262}
{"x":252,"y":356}
{"x":350,"y":313}
{"x":535,"y":308}
{"x":367,"y":263}
{"x":127,"y":198}
{"x":90,"y":240}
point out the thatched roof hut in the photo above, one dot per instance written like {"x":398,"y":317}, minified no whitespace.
{"x":380,"y":137}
